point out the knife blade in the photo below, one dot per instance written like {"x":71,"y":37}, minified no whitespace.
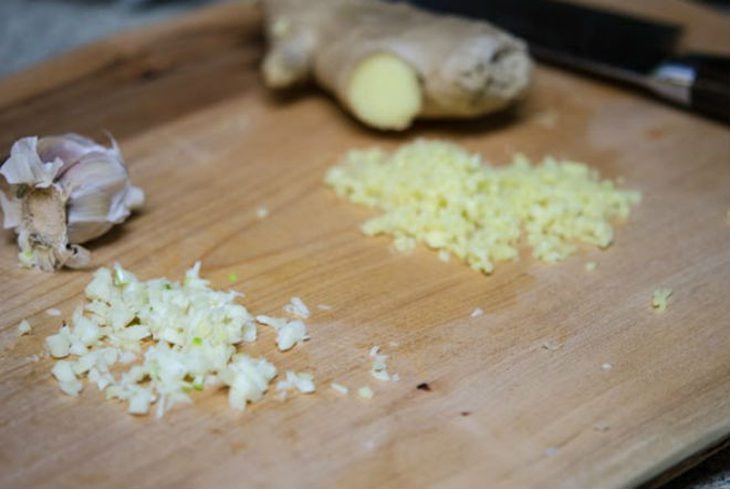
{"x":640,"y":52}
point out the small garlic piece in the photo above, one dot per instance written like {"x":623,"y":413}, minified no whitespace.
{"x":61,"y":191}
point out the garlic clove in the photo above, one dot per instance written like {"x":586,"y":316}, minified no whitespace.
{"x":125,"y":202}
{"x":25,"y":166}
{"x":11,"y":206}
{"x":98,"y":187}
{"x":69,"y":148}
{"x":95,"y":172}
{"x":83,"y":231}
{"x":134,"y":198}
{"x":78,"y":257}
{"x":61,"y":191}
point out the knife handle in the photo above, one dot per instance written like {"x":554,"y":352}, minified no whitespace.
{"x":698,"y":81}
{"x":710,"y":92}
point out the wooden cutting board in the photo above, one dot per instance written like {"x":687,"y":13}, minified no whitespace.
{"x":209,"y":145}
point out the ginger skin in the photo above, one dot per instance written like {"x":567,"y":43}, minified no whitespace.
{"x":389,"y":64}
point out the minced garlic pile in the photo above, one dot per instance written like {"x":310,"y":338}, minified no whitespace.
{"x":439,"y":194}
{"x":152,"y":342}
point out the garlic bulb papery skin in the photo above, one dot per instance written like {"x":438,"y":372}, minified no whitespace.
{"x":57,"y":192}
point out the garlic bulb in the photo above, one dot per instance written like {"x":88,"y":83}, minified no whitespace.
{"x":61,"y":191}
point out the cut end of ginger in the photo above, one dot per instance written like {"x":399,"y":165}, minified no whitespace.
{"x":438,"y":194}
{"x":384,"y":92}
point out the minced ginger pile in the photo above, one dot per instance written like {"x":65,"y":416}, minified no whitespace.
{"x":441,"y":195}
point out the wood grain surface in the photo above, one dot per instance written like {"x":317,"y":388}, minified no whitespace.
{"x":209,"y":145}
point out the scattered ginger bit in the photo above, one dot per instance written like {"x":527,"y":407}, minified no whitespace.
{"x":660,"y":299}
{"x":365,"y":392}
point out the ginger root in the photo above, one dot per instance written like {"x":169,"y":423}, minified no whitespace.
{"x":389,"y":64}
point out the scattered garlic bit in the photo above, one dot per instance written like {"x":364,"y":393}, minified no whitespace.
{"x":276,"y":323}
{"x":607,"y":366}
{"x":591,"y":266}
{"x":34,"y":358}
{"x":324,"y":307}
{"x":444,"y":256}
{"x":660,"y":299}
{"x":365,"y":392}
{"x":280,"y":27}
{"x":297,"y":307}
{"x":379,"y":370}
{"x":303,"y":382}
{"x":247,"y":378}
{"x":67,"y":380}
{"x":288,"y":332}
{"x":477,"y":312}
{"x":262,"y":212}
{"x":551,"y":451}
{"x":547,"y":119}
{"x":53,"y":312}
{"x":552,"y":345}
{"x":340,"y":388}
{"x":60,"y":191}
{"x":59,"y":344}
{"x":381,"y":375}
{"x":24,"y":328}
{"x":439,"y":194}
{"x":139,"y":402}
{"x":292,"y":333}
{"x":170,"y":338}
